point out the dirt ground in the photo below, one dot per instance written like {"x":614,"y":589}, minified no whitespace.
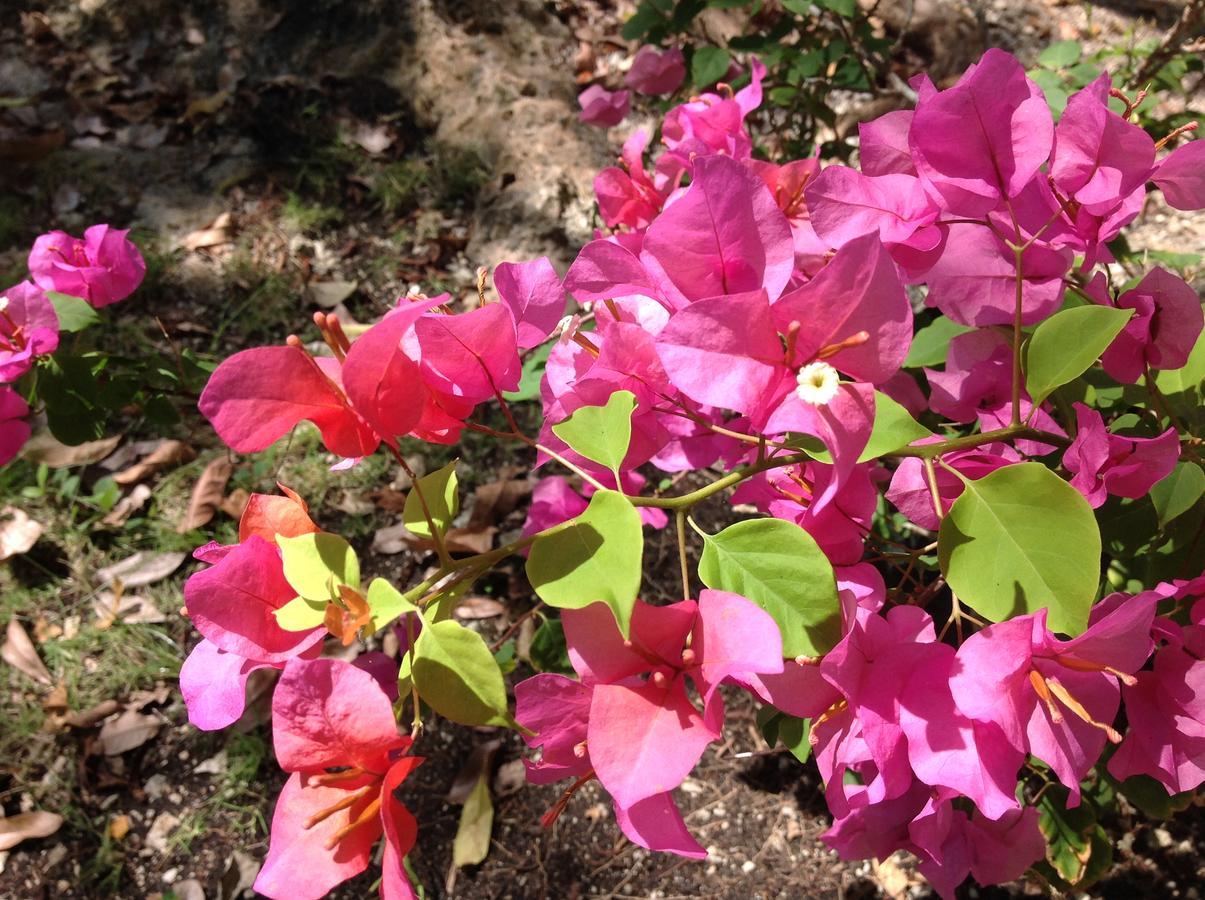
{"x":274,"y":155}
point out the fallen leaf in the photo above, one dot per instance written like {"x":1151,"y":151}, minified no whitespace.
{"x":18,"y":532}
{"x":89,"y":717}
{"x":470,"y":540}
{"x":329,"y":294}
{"x":161,"y":829}
{"x":144,"y":567}
{"x":493,"y":502}
{"x":56,"y":700}
{"x":44,"y":448}
{"x":207,"y":495}
{"x":391,"y":539}
{"x":23,"y":826}
{"x":396,"y":538}
{"x":472,"y":842}
{"x":166,"y":453}
{"x":235,"y":503}
{"x":388,"y":499}
{"x":127,"y":506}
{"x":140,"y":699}
{"x":511,"y":778}
{"x":133,"y":609}
{"x":478,"y":608}
{"x":214,"y":234}
{"x":126,"y":731}
{"x":18,"y":651}
{"x":215,"y":765}
{"x":119,"y":827}
{"x":206,"y":106}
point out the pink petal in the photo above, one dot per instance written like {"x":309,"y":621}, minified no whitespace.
{"x":326,"y":712}
{"x":556,"y":709}
{"x":257,"y":396}
{"x":644,"y":740}
{"x":602,"y":107}
{"x":844,"y":204}
{"x":299,"y":867}
{"x":533,"y":292}
{"x":1181,"y":176}
{"x":654,"y":73}
{"x":401,"y":830}
{"x":473,"y":355}
{"x":883,"y":144}
{"x":604,"y":269}
{"x":214,"y":685}
{"x":656,"y":824}
{"x":737,"y":638}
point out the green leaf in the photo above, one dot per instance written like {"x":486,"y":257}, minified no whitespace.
{"x":1060,"y":55}
{"x":316,"y":564}
{"x":300,"y":614}
{"x":1188,"y":377}
{"x":533,"y":374}
{"x":1152,"y":798}
{"x":75,"y":406}
{"x":601,"y":433}
{"x":472,"y":842}
{"x":1077,"y":849}
{"x":1021,"y":539}
{"x":386,"y":603}
{"x":75,"y":313}
{"x":443,"y":502}
{"x":1178,"y":492}
{"x":594,"y":558}
{"x":548,"y":652}
{"x":1065,"y":346}
{"x":709,"y":65}
{"x":1052,"y":86}
{"x":778,"y":566}
{"x":844,"y":8}
{"x":790,"y":731}
{"x":932,"y":343}
{"x":893,"y":429}
{"x":457,"y":676}
{"x":642,"y":22}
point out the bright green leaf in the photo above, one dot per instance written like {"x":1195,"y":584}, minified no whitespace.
{"x":300,"y":614}
{"x":1019,"y":540}
{"x":386,"y":603}
{"x":893,"y":428}
{"x":1060,"y":55}
{"x":1178,"y":492}
{"x":75,"y":313}
{"x":443,"y":502}
{"x":1190,"y":376}
{"x":932,"y":342}
{"x":601,"y":433}
{"x":316,"y":564}
{"x":1065,"y":346}
{"x":709,"y":65}
{"x":457,"y":676}
{"x":595,"y":558}
{"x":472,"y":842}
{"x":778,"y":566}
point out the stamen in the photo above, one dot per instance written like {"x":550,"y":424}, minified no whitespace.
{"x":1057,"y":688}
{"x":659,"y":680}
{"x":1179,"y":132}
{"x":345,"y":775}
{"x":835,"y":710}
{"x":371,"y":811}
{"x":343,"y":803}
{"x":1042,"y":689}
{"x":579,"y":750}
{"x":688,"y":657}
{"x":582,"y":341}
{"x":482,"y":275}
{"x":1084,"y":665}
{"x":854,"y":340}
{"x":792,"y":340}
{"x":336,"y":329}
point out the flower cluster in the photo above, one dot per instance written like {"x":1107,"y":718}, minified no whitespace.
{"x":101,"y":269}
{"x":755,"y":318}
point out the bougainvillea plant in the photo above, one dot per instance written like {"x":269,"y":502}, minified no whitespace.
{"x":972,"y":590}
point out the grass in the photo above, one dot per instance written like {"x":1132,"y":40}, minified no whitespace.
{"x":308,"y":217}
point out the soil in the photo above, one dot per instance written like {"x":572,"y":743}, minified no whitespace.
{"x":497,"y":81}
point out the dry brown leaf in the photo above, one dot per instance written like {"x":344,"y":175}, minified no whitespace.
{"x":119,"y":827}
{"x":23,"y":826}
{"x":214,"y":234}
{"x":470,"y":540}
{"x":44,"y":630}
{"x":89,"y":717}
{"x":126,"y":731}
{"x":477,"y":765}
{"x":478,"y":608}
{"x":389,"y":499}
{"x":56,"y":700}
{"x":44,"y":448}
{"x":166,"y":453}
{"x":206,"y":106}
{"x":235,"y":503}
{"x":18,"y":651}
{"x":207,"y":495}
{"x":142,"y":568}
{"x":396,"y":538}
{"x":18,"y":532}
{"x":133,"y":609}
{"x":127,"y":506}
{"x":493,"y":502}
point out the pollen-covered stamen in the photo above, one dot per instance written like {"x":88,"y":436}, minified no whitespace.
{"x":1059,"y":690}
{"x":835,"y":710}
{"x":1042,"y":689}
{"x":345,"y":775}
{"x":585,"y":343}
{"x":854,"y":340}
{"x":818,"y":383}
{"x":1084,"y":665}
{"x":322,"y":320}
{"x":342,"y":803}
{"x":371,"y":811}
{"x":559,"y":807}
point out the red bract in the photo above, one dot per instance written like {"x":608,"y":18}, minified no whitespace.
{"x":14,"y":429}
{"x":102,"y":268}
{"x":334,"y":731}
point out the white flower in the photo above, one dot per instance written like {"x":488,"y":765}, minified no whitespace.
{"x":818,"y":383}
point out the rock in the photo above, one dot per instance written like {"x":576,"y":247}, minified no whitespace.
{"x":155,"y":786}
{"x":161,"y":829}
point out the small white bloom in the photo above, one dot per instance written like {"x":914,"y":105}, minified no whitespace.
{"x":818,"y":383}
